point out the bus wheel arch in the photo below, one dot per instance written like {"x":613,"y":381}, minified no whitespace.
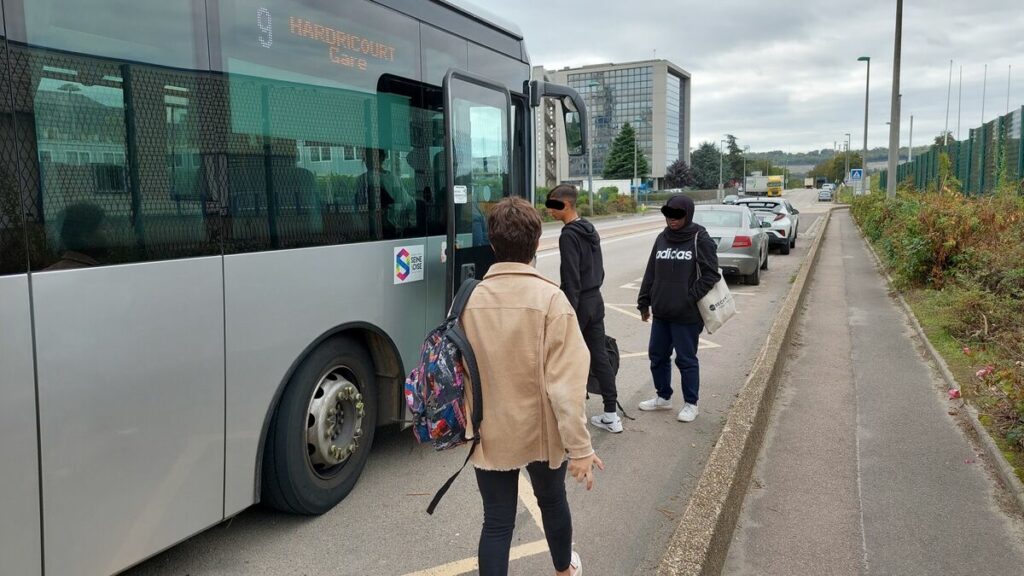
{"x":318,"y":432}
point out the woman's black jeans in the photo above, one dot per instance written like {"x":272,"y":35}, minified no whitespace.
{"x":500,"y":493}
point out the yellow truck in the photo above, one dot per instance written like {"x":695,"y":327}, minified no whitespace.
{"x":775,"y":186}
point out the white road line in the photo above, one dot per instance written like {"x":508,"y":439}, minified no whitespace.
{"x":705,"y":344}
{"x":554,"y":251}
{"x":625,"y":311}
{"x":702,"y":343}
{"x":634,"y":355}
{"x":470,"y":564}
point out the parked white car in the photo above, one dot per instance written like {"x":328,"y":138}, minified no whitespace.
{"x":784,"y":219}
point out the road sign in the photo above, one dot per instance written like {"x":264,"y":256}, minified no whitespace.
{"x":856,"y":174}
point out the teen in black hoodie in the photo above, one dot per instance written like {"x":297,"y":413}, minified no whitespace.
{"x":582,"y":273}
{"x":670,"y":291}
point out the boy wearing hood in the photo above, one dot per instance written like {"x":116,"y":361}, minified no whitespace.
{"x":582,"y":273}
{"x":671,"y":288}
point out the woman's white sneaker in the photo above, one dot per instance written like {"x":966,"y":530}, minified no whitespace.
{"x":656,"y":403}
{"x":688,"y":413}
{"x":576,"y":564}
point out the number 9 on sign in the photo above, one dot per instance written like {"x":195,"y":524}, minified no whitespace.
{"x":266,"y":27}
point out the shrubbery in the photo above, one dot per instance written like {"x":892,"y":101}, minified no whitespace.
{"x":615,"y":205}
{"x":966,"y":256}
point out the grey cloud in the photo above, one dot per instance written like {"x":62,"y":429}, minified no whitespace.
{"x":785,"y":73}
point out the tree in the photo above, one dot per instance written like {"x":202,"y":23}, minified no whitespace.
{"x":619,"y":163}
{"x":680,"y":175}
{"x":944,"y":138}
{"x":704,"y":164}
{"x":833,"y":169}
{"x":733,"y":159}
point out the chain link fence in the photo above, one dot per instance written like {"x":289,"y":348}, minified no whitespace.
{"x":991,"y":157}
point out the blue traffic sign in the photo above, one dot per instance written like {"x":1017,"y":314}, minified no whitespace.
{"x":856,"y":174}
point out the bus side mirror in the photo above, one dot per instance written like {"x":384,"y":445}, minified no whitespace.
{"x":574,"y":113}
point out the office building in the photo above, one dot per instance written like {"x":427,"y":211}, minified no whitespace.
{"x":653,"y":96}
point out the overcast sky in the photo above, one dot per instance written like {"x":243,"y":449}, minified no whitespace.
{"x":783,"y":74}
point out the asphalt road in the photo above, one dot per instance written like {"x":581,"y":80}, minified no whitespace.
{"x":621,"y":527}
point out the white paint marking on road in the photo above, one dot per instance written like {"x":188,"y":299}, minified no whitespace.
{"x":470,"y":564}
{"x":736,"y":293}
{"x":554,"y":251}
{"x":634,"y":285}
{"x":625,"y":311}
{"x":705,"y":344}
{"x":702,"y":343}
{"x":530,"y":499}
{"x":634,"y":355}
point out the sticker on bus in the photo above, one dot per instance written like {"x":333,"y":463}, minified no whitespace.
{"x":408,"y":264}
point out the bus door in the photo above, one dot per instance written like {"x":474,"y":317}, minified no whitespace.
{"x":478,"y":150}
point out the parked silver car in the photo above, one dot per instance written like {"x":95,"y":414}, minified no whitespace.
{"x":741,"y":237}
{"x":784,"y":219}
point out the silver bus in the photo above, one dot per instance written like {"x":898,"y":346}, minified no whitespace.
{"x":225,"y":227}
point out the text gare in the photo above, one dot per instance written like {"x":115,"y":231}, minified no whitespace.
{"x":340,"y":42}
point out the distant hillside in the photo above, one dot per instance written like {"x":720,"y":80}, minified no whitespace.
{"x":800,"y":159}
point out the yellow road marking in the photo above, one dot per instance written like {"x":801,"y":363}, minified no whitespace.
{"x":470,"y":564}
{"x":529,"y":499}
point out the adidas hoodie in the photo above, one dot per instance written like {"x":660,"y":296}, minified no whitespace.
{"x":670,"y":288}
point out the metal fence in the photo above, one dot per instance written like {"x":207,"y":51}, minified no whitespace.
{"x":993,"y":155}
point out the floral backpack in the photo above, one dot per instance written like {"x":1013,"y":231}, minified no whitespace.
{"x":435,"y":390}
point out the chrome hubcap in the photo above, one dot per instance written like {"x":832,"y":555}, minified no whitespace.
{"x":334,"y":420}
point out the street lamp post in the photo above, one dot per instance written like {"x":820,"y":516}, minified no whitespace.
{"x":721,"y":157}
{"x":910,"y":144}
{"x":894,"y":112}
{"x":846,"y":174}
{"x":590,"y":150}
{"x":636,"y":185}
{"x":745,"y":149}
{"x":867,"y":92}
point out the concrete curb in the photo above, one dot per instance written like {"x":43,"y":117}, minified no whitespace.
{"x":995,"y":456}
{"x":701,"y":541}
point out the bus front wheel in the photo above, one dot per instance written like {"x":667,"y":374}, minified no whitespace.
{"x":321,"y":433}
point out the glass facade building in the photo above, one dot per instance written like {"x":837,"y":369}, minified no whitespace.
{"x":651,"y":96}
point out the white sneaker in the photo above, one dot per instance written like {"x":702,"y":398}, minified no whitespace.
{"x":656,"y":403}
{"x":614,"y":426}
{"x":576,"y":564}
{"x":688,"y":413}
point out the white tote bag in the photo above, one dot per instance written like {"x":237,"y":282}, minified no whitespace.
{"x":718,"y":305}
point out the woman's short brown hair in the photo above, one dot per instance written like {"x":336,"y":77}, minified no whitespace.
{"x":514,"y":228}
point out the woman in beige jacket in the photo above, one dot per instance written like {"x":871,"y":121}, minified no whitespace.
{"x":533,"y":369}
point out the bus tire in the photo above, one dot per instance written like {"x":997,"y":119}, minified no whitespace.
{"x":321,"y":433}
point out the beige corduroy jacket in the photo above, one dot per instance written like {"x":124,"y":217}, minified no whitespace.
{"x":533,"y":365}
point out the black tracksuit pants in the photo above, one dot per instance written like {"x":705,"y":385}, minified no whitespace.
{"x":590,"y":314}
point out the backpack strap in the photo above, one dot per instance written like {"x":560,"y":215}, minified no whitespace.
{"x":462,"y":298}
{"x":458,"y":337}
{"x":444,"y":489}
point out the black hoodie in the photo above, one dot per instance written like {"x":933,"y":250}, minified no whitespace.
{"x":670,"y":288}
{"x":582,"y":269}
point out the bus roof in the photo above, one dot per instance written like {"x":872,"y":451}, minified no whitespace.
{"x":485,"y":16}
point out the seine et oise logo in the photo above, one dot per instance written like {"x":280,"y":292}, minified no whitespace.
{"x":408,"y":264}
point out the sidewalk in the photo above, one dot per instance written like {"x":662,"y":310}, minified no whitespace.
{"x":863,"y":471}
